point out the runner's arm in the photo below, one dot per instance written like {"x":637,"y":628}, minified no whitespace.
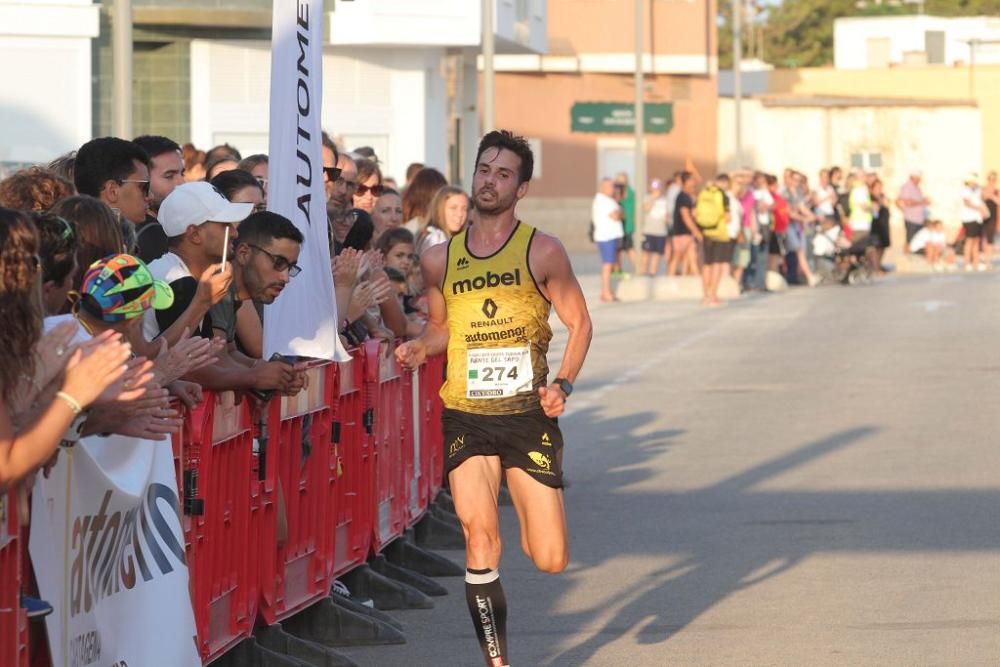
{"x":549,"y":258}
{"x":434,"y":338}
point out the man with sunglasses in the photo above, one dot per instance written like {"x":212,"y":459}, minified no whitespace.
{"x":341,"y":201}
{"x":116,"y":172}
{"x":195,"y":217}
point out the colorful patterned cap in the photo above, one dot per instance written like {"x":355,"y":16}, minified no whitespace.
{"x":120,"y":287}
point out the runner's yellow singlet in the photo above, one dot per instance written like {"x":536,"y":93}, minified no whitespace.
{"x":498,"y":324}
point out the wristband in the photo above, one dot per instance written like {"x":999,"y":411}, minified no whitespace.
{"x":73,"y":404}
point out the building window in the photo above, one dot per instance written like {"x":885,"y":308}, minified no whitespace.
{"x":867,"y":160}
{"x":934,"y":46}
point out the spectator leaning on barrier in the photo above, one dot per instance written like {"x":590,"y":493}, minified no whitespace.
{"x":607,"y":217}
{"x":166,"y":172}
{"x":45,"y":383}
{"x":240,"y":187}
{"x":195,"y":217}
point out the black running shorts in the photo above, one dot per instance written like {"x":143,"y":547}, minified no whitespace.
{"x":529,"y":441}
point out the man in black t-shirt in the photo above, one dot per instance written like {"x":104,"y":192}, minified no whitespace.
{"x":685,"y":232}
{"x":166,"y":172}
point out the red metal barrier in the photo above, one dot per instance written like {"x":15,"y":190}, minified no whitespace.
{"x":355,"y":486}
{"x":300,"y":443}
{"x":389,"y":395}
{"x":13,"y":622}
{"x":224,"y":521}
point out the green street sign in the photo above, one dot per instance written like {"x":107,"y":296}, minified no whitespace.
{"x":619,"y":117}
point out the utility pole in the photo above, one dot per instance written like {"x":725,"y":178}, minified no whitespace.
{"x":738,"y":79}
{"x":121,"y":47}
{"x":639,"y":186}
{"x":489,"y":76}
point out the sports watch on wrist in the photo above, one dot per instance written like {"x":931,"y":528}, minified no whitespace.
{"x":565,"y":385}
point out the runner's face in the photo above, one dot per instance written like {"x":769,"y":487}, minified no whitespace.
{"x":496,"y":187}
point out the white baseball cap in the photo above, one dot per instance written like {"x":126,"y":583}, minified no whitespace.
{"x":195,"y":204}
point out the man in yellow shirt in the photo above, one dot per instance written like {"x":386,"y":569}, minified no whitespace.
{"x":489,"y":292}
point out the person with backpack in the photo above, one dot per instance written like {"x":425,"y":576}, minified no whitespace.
{"x":711,"y":214}
{"x":685,"y":232}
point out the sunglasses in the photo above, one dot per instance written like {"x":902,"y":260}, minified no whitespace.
{"x":280,"y":263}
{"x":143,"y":185}
{"x":332,"y":173}
{"x":376,"y":190}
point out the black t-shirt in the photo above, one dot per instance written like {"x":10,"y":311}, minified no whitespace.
{"x":684,"y":200}
{"x":172,"y":270}
{"x":151,"y":241}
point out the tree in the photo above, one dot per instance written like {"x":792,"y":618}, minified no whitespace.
{"x":799,"y":33}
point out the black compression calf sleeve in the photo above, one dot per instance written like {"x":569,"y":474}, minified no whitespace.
{"x":488,"y":607}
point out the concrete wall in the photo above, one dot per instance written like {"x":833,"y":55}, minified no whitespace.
{"x":929,"y":83}
{"x":944,"y":142}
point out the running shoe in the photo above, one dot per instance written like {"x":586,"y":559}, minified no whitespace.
{"x":34,"y":607}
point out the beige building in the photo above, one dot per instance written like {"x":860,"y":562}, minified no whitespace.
{"x":891,"y":137}
{"x":576,"y":102}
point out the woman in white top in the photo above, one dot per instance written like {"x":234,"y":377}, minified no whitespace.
{"x":654,"y":228}
{"x":973,"y":210}
{"x":447,"y":215}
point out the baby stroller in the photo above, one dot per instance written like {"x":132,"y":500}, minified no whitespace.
{"x":857,"y":264}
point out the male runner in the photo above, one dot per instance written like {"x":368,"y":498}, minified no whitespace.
{"x":490,"y":290}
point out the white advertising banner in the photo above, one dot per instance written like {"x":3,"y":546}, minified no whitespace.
{"x":108,"y":550}
{"x":303,"y":320}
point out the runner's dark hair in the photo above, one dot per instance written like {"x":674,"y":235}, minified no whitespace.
{"x":505,"y":139}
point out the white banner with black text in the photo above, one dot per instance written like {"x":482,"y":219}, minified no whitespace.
{"x":108,"y":551}
{"x":303,"y":320}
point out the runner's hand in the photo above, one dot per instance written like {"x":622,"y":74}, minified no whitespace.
{"x":553,"y":400}
{"x":411,"y":354}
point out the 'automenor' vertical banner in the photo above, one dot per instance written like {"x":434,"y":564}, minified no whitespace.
{"x":303,"y":320}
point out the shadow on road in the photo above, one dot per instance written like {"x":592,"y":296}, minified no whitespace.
{"x":732,"y":535}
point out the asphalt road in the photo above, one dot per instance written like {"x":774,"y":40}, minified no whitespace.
{"x":803,"y":479}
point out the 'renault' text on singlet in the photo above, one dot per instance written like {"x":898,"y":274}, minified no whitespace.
{"x":498,"y":324}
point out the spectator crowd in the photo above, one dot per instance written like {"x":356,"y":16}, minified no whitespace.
{"x":134,"y":275}
{"x":761,"y":231}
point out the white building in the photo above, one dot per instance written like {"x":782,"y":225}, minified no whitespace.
{"x":399,"y":75}
{"x":890,"y":41}
{"x":45,"y":94}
